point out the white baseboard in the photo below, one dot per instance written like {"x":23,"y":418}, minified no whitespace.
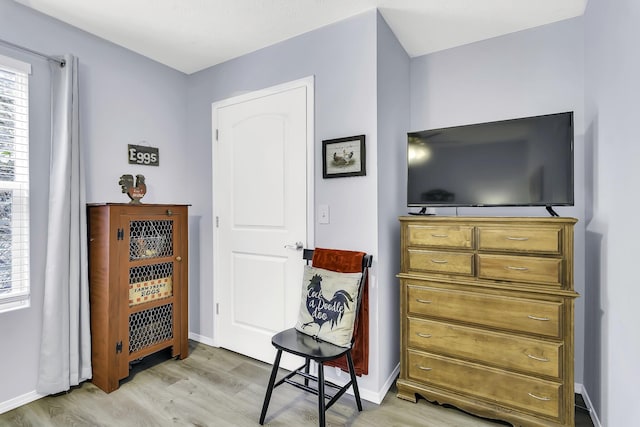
{"x":19,"y":401}
{"x":340,"y":378}
{"x":368,"y":395}
{"x":580,"y":389}
{"x":389,"y":383}
{"x":378,"y":396}
{"x":32,"y":396}
{"x":201,"y":338}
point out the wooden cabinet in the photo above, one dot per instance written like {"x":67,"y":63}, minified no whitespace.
{"x":138,"y":265}
{"x":486,"y":309}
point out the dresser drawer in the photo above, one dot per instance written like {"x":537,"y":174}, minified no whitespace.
{"x":546,"y":271}
{"x":493,"y":385}
{"x":496,"y":349}
{"x":503,"y":312}
{"x":539,"y":239}
{"x":440,"y":236}
{"x":440,"y":262}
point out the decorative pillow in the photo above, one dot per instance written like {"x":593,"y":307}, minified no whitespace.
{"x":328,"y":305}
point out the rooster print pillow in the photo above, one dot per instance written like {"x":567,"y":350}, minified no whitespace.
{"x":328,"y":305}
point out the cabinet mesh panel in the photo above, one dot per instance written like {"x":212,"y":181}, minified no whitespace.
{"x":145,"y":273}
{"x":150,"y":239}
{"x":150,"y":327}
{"x":150,"y":283}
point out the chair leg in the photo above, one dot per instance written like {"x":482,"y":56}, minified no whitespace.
{"x":306,"y":370}
{"x":272,"y":381}
{"x":354,"y":382}
{"x":321,"y":402}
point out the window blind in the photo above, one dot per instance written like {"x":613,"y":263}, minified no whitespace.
{"x":14,"y":184}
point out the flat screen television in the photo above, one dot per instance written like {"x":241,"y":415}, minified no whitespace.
{"x":518,"y":162}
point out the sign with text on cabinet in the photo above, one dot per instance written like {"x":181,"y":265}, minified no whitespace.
{"x":143,"y":155}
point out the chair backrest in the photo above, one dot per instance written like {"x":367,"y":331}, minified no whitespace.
{"x":367,"y":261}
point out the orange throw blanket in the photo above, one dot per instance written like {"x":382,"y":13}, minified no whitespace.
{"x":350,"y":262}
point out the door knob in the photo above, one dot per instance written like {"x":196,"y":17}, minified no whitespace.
{"x":298,"y":246}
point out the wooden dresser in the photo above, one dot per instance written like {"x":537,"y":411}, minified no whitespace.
{"x":138,"y":266}
{"x":486,"y":308}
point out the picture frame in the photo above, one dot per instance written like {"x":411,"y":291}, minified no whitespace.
{"x":343,"y":157}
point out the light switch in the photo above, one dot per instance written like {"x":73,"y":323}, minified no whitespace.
{"x":323,"y":214}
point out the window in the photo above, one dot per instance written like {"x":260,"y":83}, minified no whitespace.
{"x":14,"y":184}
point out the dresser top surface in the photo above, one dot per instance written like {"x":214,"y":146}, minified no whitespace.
{"x":489,"y":219}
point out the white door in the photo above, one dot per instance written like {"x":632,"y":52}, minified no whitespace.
{"x":263,"y":178}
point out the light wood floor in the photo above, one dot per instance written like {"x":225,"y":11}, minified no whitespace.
{"x":216,"y":387}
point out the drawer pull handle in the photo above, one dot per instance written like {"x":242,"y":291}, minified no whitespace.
{"x":421,"y":335}
{"x":539,"y":359}
{"x":542,"y":319}
{"x":439,"y":261}
{"x":519,"y":239}
{"x":423,"y":301}
{"x":546,"y":399}
{"x":440,"y":235}
{"x":509,"y":267}
{"x":424,"y":368}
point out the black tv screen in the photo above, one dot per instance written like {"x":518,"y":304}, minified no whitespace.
{"x":518,"y":162}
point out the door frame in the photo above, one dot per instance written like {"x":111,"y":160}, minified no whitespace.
{"x":308,"y":83}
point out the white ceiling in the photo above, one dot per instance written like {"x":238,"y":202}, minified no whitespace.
{"x":190,"y":35}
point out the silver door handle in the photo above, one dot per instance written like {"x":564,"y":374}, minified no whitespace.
{"x":298,"y":246}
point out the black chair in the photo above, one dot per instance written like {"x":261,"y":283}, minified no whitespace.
{"x":311,"y":348}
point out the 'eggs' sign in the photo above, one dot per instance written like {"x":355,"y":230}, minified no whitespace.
{"x":141,"y":155}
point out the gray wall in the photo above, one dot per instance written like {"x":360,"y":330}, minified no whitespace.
{"x":538,"y":71}
{"x":612,"y":88}
{"x":393,"y":124}
{"x":342,"y":58}
{"x":124,"y":98}
{"x":359,"y":71}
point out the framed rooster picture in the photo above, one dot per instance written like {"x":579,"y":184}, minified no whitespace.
{"x":344,"y":157}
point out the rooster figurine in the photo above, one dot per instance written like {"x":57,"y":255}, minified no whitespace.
{"x":323,"y":310}
{"x":136,"y":192}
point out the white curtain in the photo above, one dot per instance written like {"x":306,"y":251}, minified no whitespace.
{"x":65,"y":348}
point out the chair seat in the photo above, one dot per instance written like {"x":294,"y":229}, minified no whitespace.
{"x":295,"y":342}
